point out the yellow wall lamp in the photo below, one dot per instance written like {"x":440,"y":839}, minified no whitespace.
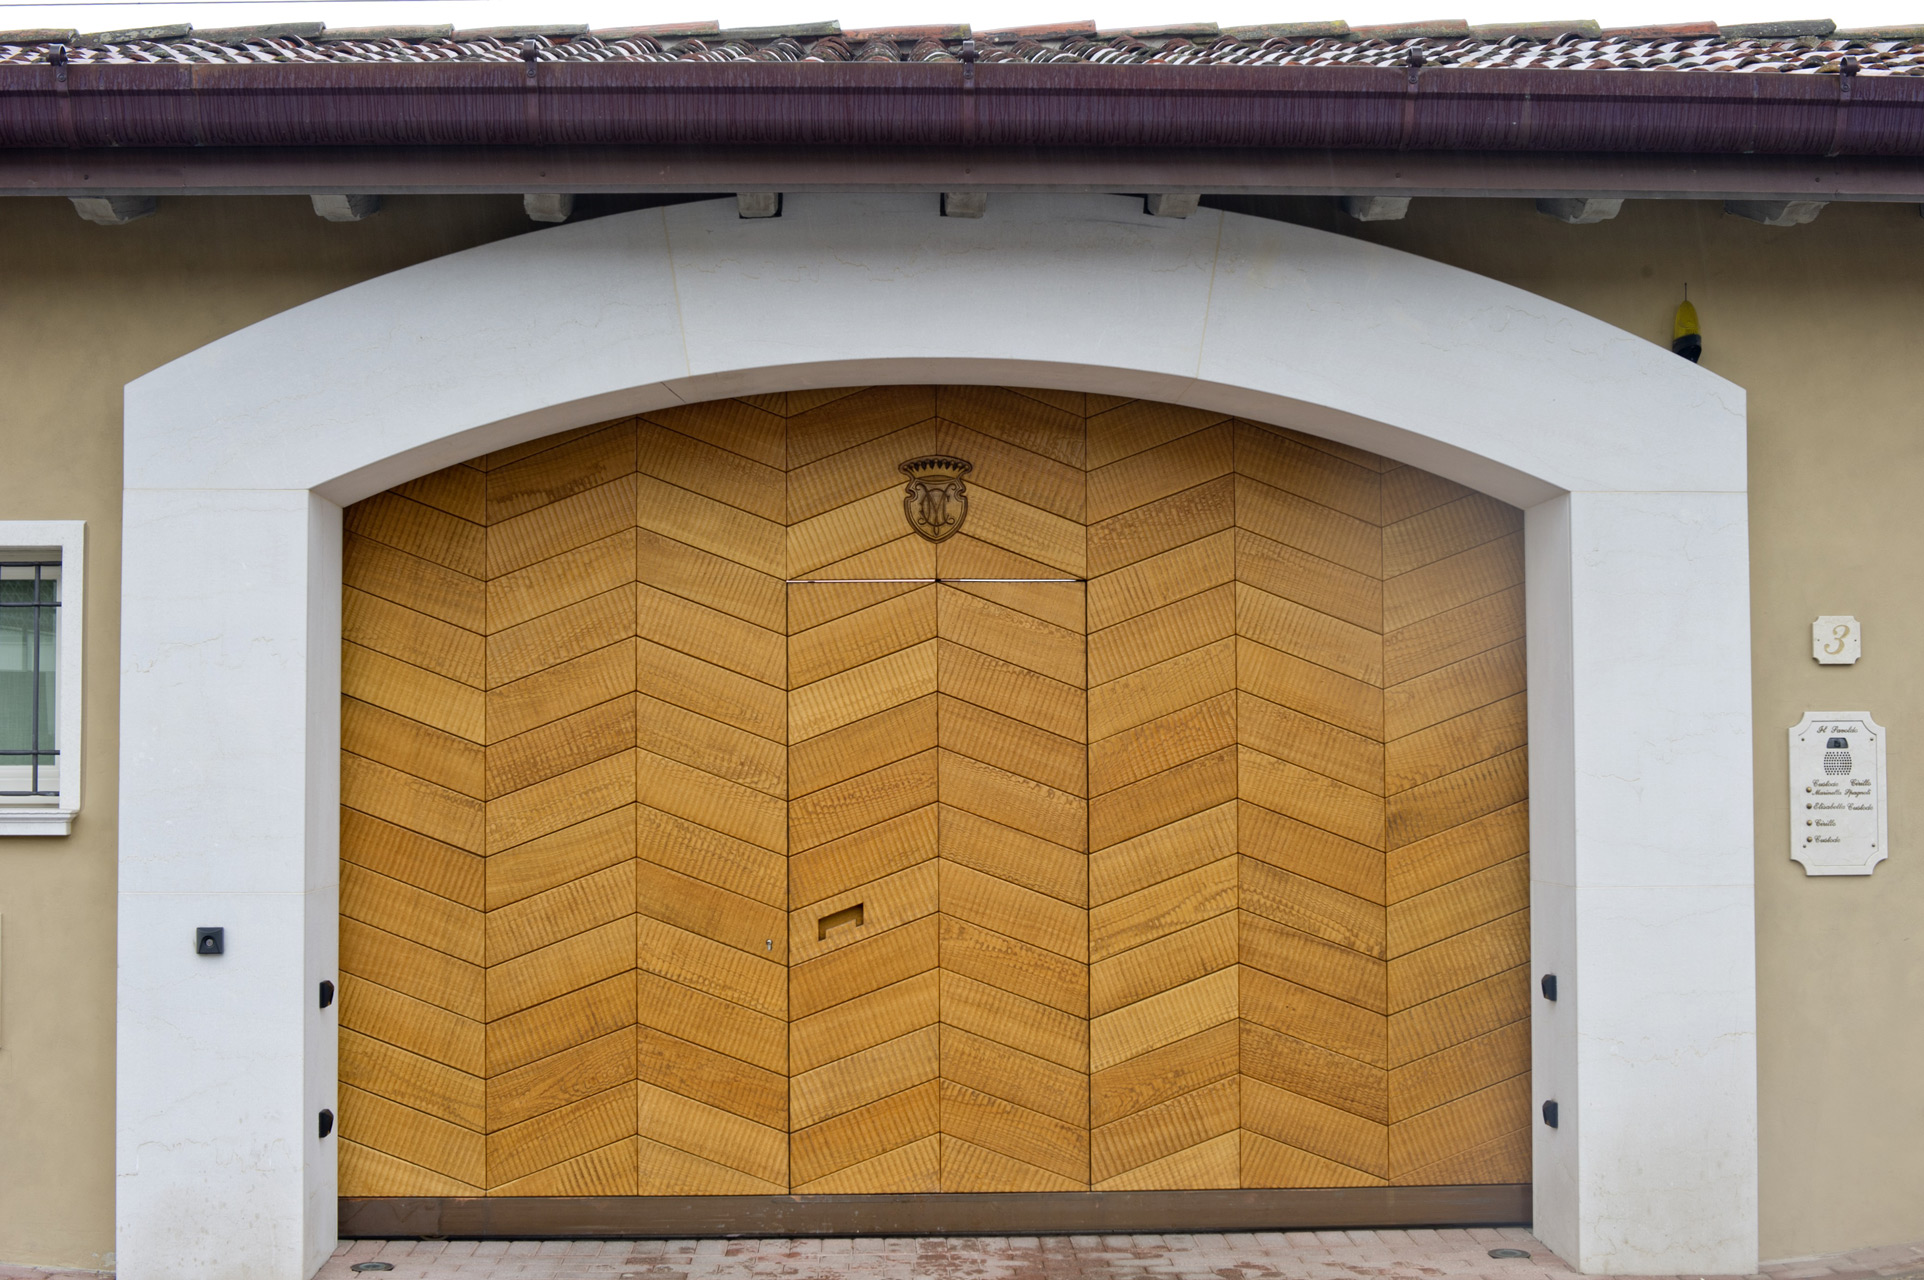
{"x":1686,"y":336}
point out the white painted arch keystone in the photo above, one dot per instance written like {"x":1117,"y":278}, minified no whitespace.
{"x":1631,"y":464}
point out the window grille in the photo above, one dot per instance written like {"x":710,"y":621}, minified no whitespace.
{"x":29,"y":667}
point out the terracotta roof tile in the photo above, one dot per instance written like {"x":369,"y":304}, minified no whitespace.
{"x":1803,"y":47}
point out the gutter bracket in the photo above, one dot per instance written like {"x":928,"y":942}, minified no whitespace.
{"x":63,"y":101}
{"x":1846,"y":72}
{"x":968,"y":91}
{"x":531,"y":115}
{"x":1409,"y":100}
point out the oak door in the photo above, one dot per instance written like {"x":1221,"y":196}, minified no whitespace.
{"x":707,"y":830}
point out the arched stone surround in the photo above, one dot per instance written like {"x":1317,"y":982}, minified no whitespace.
{"x":1630,"y":462}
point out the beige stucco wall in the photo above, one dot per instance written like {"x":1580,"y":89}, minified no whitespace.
{"x":1816,"y":322}
{"x":83,"y":310}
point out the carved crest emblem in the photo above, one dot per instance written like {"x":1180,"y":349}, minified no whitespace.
{"x":936,"y":501}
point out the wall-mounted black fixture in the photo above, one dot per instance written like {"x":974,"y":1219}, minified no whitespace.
{"x":1550,"y":986}
{"x":327,"y":993}
{"x":1550,"y":1114}
{"x":210,"y":941}
{"x":327,"y":1122}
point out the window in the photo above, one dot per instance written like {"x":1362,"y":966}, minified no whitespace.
{"x":29,"y":695}
{"x":40,"y":572}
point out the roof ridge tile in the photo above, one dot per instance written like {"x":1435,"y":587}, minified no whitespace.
{"x":1785,"y":30}
{"x":551,"y":30}
{"x":776,"y":33}
{"x":134,"y":35}
{"x":260,"y":31}
{"x":1662,"y":31}
{"x":1424,"y":30}
{"x":1537,"y":30}
{"x":1335,"y":29}
{"x":442,"y":31}
{"x":658,"y":31}
{"x":927,"y":31}
{"x":1041,"y":31}
{"x":1163,"y":32}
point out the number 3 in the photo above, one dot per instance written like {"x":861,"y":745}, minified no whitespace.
{"x":1839,"y":633}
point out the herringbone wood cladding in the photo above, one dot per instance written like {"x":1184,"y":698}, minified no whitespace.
{"x":1188,"y":850}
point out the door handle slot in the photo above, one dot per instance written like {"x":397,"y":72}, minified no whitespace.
{"x":836,"y":919}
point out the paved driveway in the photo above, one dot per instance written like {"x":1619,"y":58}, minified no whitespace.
{"x":1287,"y":1255}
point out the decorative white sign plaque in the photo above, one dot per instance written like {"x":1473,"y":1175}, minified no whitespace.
{"x":1836,"y":639}
{"x":1838,"y":825}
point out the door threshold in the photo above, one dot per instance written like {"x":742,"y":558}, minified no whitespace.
{"x":1011,"y":1213}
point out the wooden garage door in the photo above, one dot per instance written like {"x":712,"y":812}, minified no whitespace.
{"x":707,"y":830}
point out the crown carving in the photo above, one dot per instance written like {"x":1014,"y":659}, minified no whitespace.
{"x":936,"y":467}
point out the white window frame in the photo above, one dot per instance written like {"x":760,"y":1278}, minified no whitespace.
{"x":67,"y":539}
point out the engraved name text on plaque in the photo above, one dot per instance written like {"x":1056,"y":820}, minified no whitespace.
{"x":1838,"y":825}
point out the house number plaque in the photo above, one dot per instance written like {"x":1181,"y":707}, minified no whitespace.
{"x":1838,"y":824}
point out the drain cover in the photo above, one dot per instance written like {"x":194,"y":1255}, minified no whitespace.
{"x":1509,"y":1253}
{"x":372,"y":1266}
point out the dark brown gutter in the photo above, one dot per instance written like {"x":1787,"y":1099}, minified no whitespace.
{"x":1000,"y":106}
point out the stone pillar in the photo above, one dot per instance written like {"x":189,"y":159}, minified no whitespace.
{"x":229,"y":817}
{"x":1641,"y":863}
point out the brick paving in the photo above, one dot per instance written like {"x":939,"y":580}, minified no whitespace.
{"x":1263,"y":1255}
{"x":1286,"y":1255}
{"x":1298,"y":1255}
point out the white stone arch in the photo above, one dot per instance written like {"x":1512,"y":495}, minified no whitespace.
{"x":1631,"y":464}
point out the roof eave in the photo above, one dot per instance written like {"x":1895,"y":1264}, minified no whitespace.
{"x":990,"y":105}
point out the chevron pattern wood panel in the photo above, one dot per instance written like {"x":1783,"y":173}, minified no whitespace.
{"x":1162,"y":815}
{"x":864,"y":1043}
{"x":707,"y":831}
{"x":1457,"y":876}
{"x":1383,"y":882}
{"x":413,"y":1051}
{"x":711,"y":885}
{"x":561,"y":926}
{"x":1011,"y":671}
